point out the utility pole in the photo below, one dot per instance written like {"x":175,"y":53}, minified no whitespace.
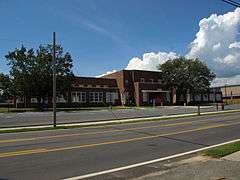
{"x":54,"y":80}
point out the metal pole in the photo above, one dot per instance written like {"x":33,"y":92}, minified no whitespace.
{"x":54,"y":80}
{"x":199,"y":113}
{"x":226,"y":94}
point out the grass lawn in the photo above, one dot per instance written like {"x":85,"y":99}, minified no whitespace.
{"x":5,"y":109}
{"x":224,"y":150}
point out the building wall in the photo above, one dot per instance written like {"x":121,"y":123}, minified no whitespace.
{"x":231,"y":94}
{"x":231,"y":91}
{"x":127,"y":87}
{"x":129,"y":90}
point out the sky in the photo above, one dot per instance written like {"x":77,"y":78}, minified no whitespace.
{"x":107,"y":35}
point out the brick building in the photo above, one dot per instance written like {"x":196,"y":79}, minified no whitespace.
{"x":94,"y":91}
{"x":231,"y":93}
{"x":141,"y":87}
{"x":125,"y":87}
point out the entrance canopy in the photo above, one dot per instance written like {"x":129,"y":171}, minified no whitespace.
{"x":155,"y":91}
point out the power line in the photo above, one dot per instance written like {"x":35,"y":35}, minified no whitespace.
{"x":231,"y":2}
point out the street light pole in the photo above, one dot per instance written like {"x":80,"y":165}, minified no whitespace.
{"x":54,"y":80}
{"x":226,"y":98}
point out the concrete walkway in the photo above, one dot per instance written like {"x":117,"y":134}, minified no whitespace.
{"x":233,"y":157}
{"x":195,"y":167}
{"x":201,"y":168}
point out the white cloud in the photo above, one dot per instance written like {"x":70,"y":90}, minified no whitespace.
{"x":216,"y":43}
{"x":108,"y":72}
{"x":150,"y":61}
{"x":216,"y":46}
{"x":234,"y":45}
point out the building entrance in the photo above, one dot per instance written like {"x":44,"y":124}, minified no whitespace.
{"x":157,"y":97}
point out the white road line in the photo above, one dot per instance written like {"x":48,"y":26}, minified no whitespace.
{"x":148,"y":162}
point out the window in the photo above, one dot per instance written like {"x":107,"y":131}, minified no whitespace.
{"x":20,"y":100}
{"x":145,"y":97}
{"x":96,"y":97}
{"x":78,"y":96}
{"x":33,"y":100}
{"x":151,"y":80}
{"x":160,"y":81}
{"x":111,"y":97}
{"x":142,"y":80}
{"x":61,"y":100}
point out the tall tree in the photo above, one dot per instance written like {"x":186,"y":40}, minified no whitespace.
{"x":6,"y":89}
{"x":32,"y":71}
{"x":186,"y":74}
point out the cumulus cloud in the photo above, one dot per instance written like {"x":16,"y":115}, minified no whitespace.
{"x":216,"y":43}
{"x":108,"y":72}
{"x":234,"y":45}
{"x":150,"y":61}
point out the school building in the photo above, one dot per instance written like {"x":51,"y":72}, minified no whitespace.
{"x":126,"y":87}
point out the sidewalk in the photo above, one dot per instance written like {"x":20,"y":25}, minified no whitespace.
{"x":192,"y":167}
{"x":200,"y":168}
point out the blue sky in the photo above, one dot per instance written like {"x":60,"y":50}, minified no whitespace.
{"x":103,"y":35}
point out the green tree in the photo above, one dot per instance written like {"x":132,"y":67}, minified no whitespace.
{"x":31,"y":71}
{"x":186,"y":74}
{"x":5,"y":86}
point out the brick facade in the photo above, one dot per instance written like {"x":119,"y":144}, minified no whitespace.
{"x":127,"y":87}
{"x":134,"y":84}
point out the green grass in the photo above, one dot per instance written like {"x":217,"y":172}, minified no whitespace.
{"x":224,"y":150}
{"x":5,"y":110}
{"x":14,"y":110}
{"x":110,"y":123}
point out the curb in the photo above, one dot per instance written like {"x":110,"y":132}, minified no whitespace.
{"x":84,"y":124}
{"x":148,"y":162}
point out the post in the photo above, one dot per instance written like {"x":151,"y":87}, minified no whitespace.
{"x":154,"y":103}
{"x":226,"y":93}
{"x":199,"y":113}
{"x":8,"y":105}
{"x":54,"y":80}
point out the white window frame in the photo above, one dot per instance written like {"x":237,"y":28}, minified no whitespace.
{"x":78,"y":97}
{"x":142,"y":80}
{"x":145,"y":97}
{"x":111,"y":97}
{"x":95,"y":97}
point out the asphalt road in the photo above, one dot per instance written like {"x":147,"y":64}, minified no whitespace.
{"x":66,"y":153}
{"x":45,"y":118}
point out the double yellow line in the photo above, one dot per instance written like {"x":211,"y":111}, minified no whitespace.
{"x":45,"y":150}
{"x":98,"y":132}
{"x":93,"y":133}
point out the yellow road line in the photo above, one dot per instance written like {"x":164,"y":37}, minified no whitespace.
{"x":24,"y":152}
{"x":94,"y":133}
{"x":45,"y":150}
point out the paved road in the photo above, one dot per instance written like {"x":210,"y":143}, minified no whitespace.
{"x":45,"y":118}
{"x":73,"y":152}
